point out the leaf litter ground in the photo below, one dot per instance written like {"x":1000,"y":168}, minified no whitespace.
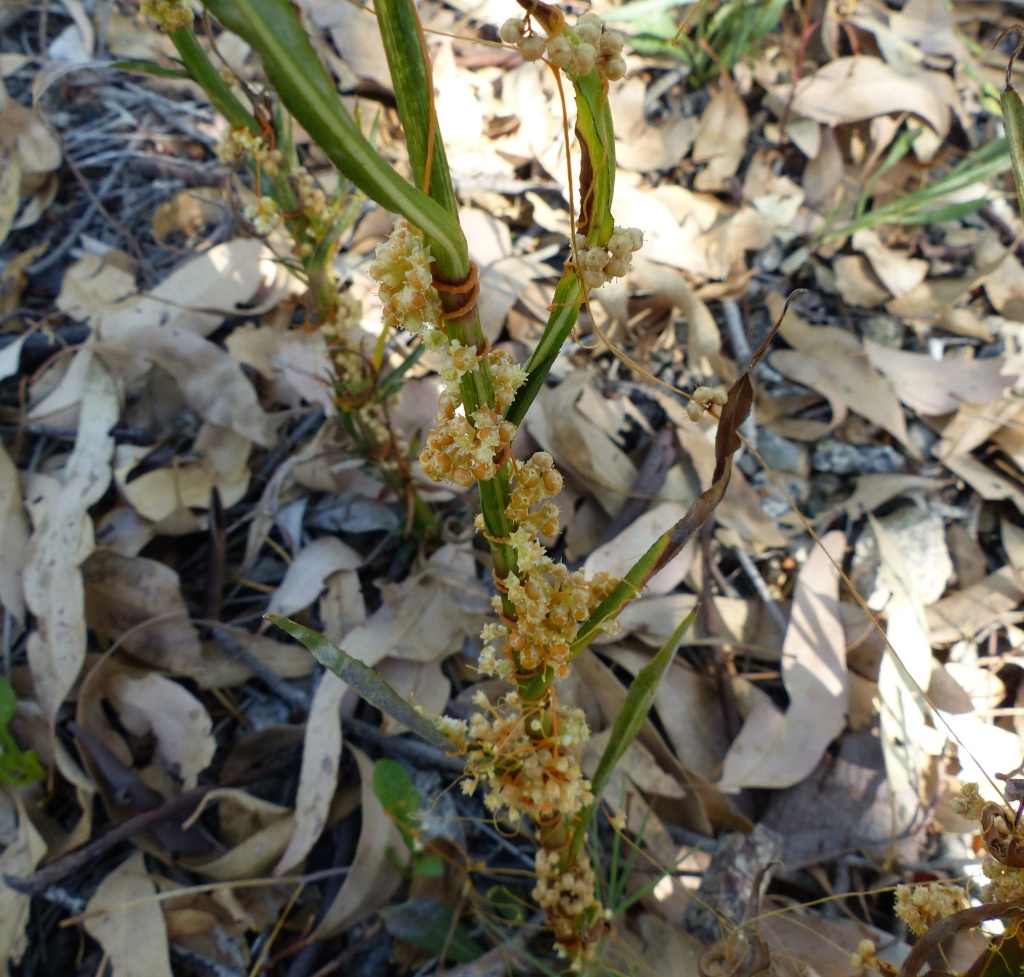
{"x":172,"y":468}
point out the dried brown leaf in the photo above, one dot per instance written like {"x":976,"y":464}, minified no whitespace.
{"x":138,"y":603}
{"x":152,"y":704}
{"x":778,"y":750}
{"x":721,"y":139}
{"x":936,"y":387}
{"x":373,"y":877}
{"x":165,"y":492}
{"x":211,"y":382}
{"x":832,"y":361}
{"x":854,"y":88}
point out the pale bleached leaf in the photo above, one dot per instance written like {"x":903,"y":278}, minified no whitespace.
{"x":14,"y":537}
{"x":306,"y":577}
{"x":128,"y":923}
{"x":318,"y":775}
{"x":54,"y":590}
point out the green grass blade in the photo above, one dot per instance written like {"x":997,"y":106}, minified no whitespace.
{"x":630,"y":719}
{"x":413,"y":84}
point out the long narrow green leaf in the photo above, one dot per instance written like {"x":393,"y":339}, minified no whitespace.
{"x":412,"y":82}
{"x":202,"y":70}
{"x":565,"y":310}
{"x":273,"y":29}
{"x":630,"y":719}
{"x":370,"y":686}
{"x":1013,"y":120}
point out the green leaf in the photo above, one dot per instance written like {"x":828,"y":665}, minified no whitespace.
{"x":397,"y":795}
{"x":1013,"y":120}
{"x":428,"y":866}
{"x":431,"y":925}
{"x":507,"y":904}
{"x":367,"y":683}
{"x":8,"y":702}
{"x":273,"y":29}
{"x":412,"y":81}
{"x":630,"y":719}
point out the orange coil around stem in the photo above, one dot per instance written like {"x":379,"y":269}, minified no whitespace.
{"x":470,"y":287}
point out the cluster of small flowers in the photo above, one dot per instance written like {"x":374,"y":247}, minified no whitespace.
{"x":597,"y":265}
{"x":169,"y":15}
{"x":466,"y":450}
{"x":866,"y":958}
{"x":265,"y":215}
{"x":401,"y":267}
{"x":968,"y":803}
{"x":312,"y":199}
{"x":346,"y":317}
{"x":550,"y":604}
{"x":921,"y":906}
{"x":703,"y":398}
{"x":239,"y":144}
{"x":461,"y":450}
{"x":536,"y":481}
{"x":525,"y":771}
{"x":577,"y":50}
{"x":461,"y":360}
{"x":564,"y":892}
{"x":1004,"y":883}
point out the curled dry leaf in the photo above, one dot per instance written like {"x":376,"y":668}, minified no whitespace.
{"x":832,"y":362}
{"x":777,"y":749}
{"x":936,"y":387}
{"x":254,"y":831}
{"x":211,"y":382}
{"x":854,"y":88}
{"x":703,"y":338}
{"x":306,"y":578}
{"x":425,"y":617}
{"x":165,"y":492}
{"x":138,"y":603}
{"x":32,"y":151}
{"x":156,"y":705}
{"x":579,"y":445}
{"x":63,"y":538}
{"x":195,"y":298}
{"x":898,"y":272}
{"x":128,"y":923}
